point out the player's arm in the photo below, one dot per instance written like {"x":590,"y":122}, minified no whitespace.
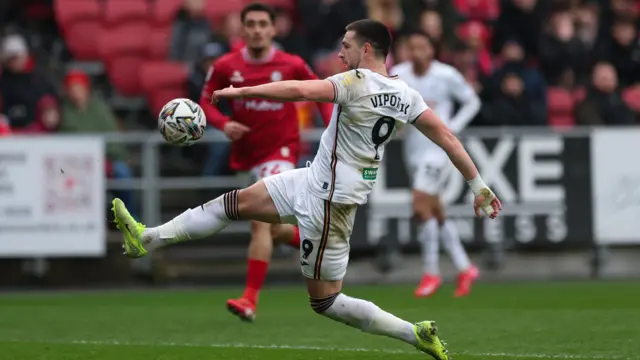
{"x":429,"y":124}
{"x":432,"y":127}
{"x":462,"y":91}
{"x":292,"y":90}
{"x":304,"y":72}
{"x":337,"y":89}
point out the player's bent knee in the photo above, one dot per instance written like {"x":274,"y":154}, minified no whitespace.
{"x":320,"y":305}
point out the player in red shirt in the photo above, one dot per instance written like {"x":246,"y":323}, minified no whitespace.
{"x":265,"y":134}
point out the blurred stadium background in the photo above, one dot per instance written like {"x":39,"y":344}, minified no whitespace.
{"x":557,"y":139}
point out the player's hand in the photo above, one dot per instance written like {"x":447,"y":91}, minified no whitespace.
{"x":229,"y":93}
{"x":487,"y":202}
{"x":235,"y":130}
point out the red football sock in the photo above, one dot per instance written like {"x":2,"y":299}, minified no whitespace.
{"x":295,"y":241}
{"x":256,"y":273}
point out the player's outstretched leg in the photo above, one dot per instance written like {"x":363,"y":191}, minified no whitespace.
{"x":369,"y":318}
{"x":263,"y":237}
{"x":467,"y":273}
{"x":252,"y":203}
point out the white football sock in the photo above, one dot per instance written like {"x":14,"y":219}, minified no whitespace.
{"x":453,"y":246}
{"x":196,"y":223}
{"x":429,"y":240}
{"x":365,"y":316}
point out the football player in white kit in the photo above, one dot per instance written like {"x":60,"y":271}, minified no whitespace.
{"x":439,"y":85}
{"x":322,"y":199}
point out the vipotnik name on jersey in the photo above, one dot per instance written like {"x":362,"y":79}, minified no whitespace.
{"x":387,"y":100}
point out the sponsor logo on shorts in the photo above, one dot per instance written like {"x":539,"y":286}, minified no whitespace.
{"x":369,"y":173}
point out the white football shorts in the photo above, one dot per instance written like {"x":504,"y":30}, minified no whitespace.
{"x":325,"y":227}
{"x":269,"y":168}
{"x":429,"y":174}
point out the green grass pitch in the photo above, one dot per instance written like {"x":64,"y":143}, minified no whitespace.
{"x":590,"y":320}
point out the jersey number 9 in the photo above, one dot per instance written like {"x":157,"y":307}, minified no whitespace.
{"x":380,"y":136}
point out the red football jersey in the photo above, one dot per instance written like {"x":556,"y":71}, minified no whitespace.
{"x":275,"y":133}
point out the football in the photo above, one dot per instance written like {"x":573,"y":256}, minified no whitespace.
{"x":182,"y":122}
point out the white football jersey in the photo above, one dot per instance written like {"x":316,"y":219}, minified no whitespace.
{"x":439,"y":87}
{"x":370,"y":109}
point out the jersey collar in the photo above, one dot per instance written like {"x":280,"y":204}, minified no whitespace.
{"x":267,"y":58}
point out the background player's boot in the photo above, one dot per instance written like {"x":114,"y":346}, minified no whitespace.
{"x":428,"y":341}
{"x":428,"y":285}
{"x":242,"y":308}
{"x":131,"y":229}
{"x":465,"y":279}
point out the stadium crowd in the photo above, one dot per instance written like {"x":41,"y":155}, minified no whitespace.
{"x":533,"y":62}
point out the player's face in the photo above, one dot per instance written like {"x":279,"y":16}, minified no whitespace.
{"x":351,"y":52}
{"x":421,"y":49}
{"x":258,"y":29}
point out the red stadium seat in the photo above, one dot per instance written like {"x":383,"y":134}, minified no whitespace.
{"x":159,"y":98}
{"x":631,"y":97}
{"x":162,"y":81}
{"x":124,"y":50}
{"x":560,"y":105}
{"x":483,"y":10}
{"x":157,"y":75}
{"x":159,"y":43}
{"x":217,"y":10}
{"x":164,"y":11}
{"x":118,"y":12}
{"x":79,"y":21}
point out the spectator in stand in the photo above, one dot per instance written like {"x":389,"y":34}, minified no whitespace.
{"x":414,"y":11}
{"x":22,"y":89}
{"x":84,"y":113}
{"x":198,"y":72}
{"x":603,"y":104}
{"x":624,"y":52}
{"x":191,"y":31}
{"x":521,"y":18}
{"x":624,"y":10}
{"x":464,"y":59}
{"x":512,"y":107}
{"x":588,"y":30}
{"x":47,"y":118}
{"x":511,"y":60}
{"x":325,"y":21}
{"x":476,"y":36}
{"x":561,"y":52}
{"x":232,"y":31}
{"x":431,"y":23}
{"x":289,"y":40}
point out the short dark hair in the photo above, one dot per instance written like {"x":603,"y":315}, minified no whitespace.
{"x":258,"y":7}
{"x":418,"y":32}
{"x":374,"y":33}
{"x":434,"y":43}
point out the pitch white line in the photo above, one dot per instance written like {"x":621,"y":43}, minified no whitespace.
{"x":329,"y":348}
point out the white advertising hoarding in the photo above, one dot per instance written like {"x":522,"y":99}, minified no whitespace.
{"x":615,"y":174}
{"x":52,"y":197}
